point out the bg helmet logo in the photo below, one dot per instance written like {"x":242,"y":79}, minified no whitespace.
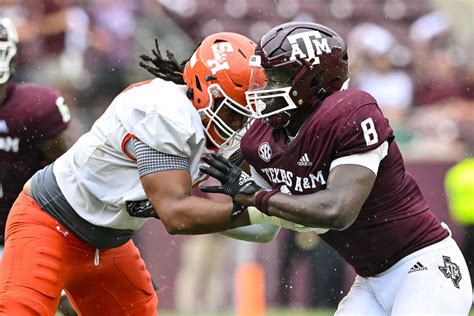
{"x":219,"y":62}
{"x":314,"y":44}
{"x":265,"y":152}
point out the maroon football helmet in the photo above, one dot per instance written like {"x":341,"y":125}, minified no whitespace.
{"x":303,"y":64}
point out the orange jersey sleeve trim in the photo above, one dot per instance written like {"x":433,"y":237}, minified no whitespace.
{"x":134,"y":85}
{"x":125,"y":140}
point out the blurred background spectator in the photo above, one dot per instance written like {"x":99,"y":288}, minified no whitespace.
{"x":199,"y":280}
{"x":415,"y":57}
{"x":111,"y":49}
{"x":305,"y":256}
{"x":377,"y":61}
{"x":202,"y":278}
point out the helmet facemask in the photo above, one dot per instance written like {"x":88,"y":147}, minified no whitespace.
{"x":8,"y":48}
{"x":219,"y":132}
{"x":269,"y":96}
{"x":278,"y":98}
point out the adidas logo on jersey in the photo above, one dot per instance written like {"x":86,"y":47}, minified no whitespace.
{"x":304,"y":161}
{"x":417,"y":267}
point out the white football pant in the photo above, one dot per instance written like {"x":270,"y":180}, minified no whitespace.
{"x":431,"y":281}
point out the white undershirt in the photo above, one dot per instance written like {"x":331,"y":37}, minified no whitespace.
{"x":370,"y":159}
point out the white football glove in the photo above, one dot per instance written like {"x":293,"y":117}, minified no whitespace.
{"x":257,"y":217}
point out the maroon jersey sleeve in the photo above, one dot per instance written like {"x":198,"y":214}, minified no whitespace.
{"x":363,"y":130}
{"x":53,"y":115}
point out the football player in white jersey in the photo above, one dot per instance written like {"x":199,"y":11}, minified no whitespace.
{"x":71,"y":226}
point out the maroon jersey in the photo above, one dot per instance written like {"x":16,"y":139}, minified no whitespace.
{"x":28,"y":116}
{"x":394,"y":221}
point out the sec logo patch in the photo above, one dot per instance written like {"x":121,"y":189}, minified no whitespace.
{"x":265,"y":152}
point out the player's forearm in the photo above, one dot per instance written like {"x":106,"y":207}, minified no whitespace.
{"x":193,"y":215}
{"x":335,"y":207}
{"x":324,"y":209}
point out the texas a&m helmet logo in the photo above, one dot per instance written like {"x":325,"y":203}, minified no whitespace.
{"x":314,"y":45}
{"x":265,"y":151}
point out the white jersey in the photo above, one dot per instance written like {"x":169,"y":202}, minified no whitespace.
{"x":97,"y":176}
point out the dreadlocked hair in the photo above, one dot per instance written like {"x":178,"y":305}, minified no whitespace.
{"x":166,"y":69}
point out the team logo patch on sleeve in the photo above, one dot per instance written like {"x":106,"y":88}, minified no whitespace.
{"x":451,"y":271}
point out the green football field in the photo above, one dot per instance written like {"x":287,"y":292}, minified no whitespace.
{"x":271,"y":312}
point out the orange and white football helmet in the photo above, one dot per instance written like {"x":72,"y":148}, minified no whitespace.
{"x":217,"y":76}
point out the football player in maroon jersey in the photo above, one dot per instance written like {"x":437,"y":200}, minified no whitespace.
{"x":325,"y":157}
{"x":32,"y":119}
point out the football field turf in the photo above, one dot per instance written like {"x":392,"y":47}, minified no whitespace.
{"x":270,"y":312}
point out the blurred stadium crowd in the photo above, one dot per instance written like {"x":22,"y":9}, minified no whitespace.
{"x":415,"y":57}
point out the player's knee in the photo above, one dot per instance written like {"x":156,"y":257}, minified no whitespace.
{"x":20,"y":303}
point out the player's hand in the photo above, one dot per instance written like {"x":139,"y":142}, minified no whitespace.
{"x":233,"y":180}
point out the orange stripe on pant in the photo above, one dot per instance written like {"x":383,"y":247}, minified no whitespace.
{"x":41,"y":258}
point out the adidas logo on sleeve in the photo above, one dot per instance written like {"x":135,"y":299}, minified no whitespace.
{"x":304,"y":161}
{"x":417,"y":267}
